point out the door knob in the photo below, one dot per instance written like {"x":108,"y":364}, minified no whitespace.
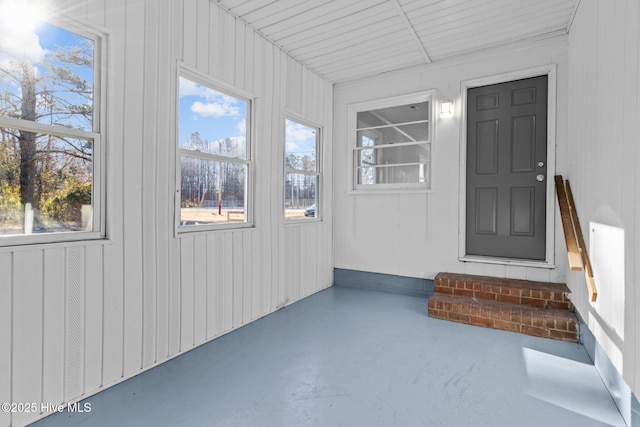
{"x":540,"y":177}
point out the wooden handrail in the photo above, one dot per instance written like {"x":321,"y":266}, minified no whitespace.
{"x":575,"y":261}
{"x":573,"y":234}
{"x":582,"y":247}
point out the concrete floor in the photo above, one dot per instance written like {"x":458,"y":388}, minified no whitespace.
{"x":348,"y":357}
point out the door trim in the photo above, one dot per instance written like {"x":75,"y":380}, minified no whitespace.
{"x":551,"y":72}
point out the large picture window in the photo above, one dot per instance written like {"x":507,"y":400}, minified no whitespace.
{"x":215,"y":156}
{"x":302,"y":171}
{"x":393,"y":143}
{"x":50,"y":142}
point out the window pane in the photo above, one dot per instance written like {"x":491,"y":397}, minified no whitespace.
{"x":366,"y":160}
{"x":414,"y":132}
{"x":211,"y":121}
{"x":394,"y":165}
{"x":46,"y":76}
{"x":394,"y":115}
{"x":212,"y":192}
{"x":301,"y":142}
{"x":366,"y":175}
{"x":46,"y":183}
{"x":300,"y":198}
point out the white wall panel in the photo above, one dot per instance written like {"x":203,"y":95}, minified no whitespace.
{"x":416,"y":235}
{"x":237,"y":293}
{"x":151,"y":321}
{"x":164,"y":194}
{"x":113,"y":257}
{"x":75,"y":318}
{"x":201,"y":25}
{"x":93,"y":293}
{"x":259,"y":281}
{"x":187,"y":284}
{"x":132,"y":166}
{"x":604,"y":71}
{"x":96,"y":12}
{"x":214,"y":294}
{"x":75,"y":280}
{"x":6,"y":326}
{"x":54,"y":326}
{"x":227,"y":282}
{"x":200,"y":257}
{"x":247,"y":278}
{"x":26,"y":341}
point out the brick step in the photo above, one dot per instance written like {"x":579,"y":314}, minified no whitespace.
{"x":535,"y":294}
{"x":541,"y":322}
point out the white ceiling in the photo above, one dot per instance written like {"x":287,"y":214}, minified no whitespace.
{"x":344,"y":40}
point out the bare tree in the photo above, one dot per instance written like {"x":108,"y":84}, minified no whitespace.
{"x":53,"y":94}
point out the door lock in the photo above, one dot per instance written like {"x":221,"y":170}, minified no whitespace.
{"x":540,"y":164}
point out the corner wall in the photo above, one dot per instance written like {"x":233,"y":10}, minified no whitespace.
{"x":603,"y":157}
{"x":77,"y":318}
{"x":416,"y":235}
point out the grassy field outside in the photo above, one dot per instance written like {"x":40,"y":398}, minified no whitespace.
{"x":210,"y":215}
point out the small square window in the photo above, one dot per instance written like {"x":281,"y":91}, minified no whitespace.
{"x":393,"y":143}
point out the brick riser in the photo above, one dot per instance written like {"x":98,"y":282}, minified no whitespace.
{"x":536,"y":294}
{"x":533,"y":308}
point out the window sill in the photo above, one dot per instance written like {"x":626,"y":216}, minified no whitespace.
{"x":507,"y":261}
{"x":390,"y":191}
{"x":301,"y":221}
{"x":88,"y":239}
{"x":190,"y":231}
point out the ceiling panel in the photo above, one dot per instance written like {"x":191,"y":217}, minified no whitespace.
{"x":349,"y":39}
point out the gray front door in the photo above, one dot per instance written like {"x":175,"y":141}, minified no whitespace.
{"x":506,"y":169}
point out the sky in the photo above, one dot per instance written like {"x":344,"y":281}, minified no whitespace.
{"x":300,"y":139}
{"x":214,"y":115}
{"x":33,"y":41}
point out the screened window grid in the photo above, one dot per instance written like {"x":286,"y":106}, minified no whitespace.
{"x":393,"y":145}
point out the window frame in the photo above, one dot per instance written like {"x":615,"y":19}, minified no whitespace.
{"x":372,"y":135}
{"x":184,"y":71}
{"x":317,"y":173}
{"x":353,"y":185}
{"x":97,"y":135}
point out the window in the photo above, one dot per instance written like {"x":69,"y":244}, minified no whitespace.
{"x":50,"y":143}
{"x":393,"y":143}
{"x":214,"y":155}
{"x":302,"y":171}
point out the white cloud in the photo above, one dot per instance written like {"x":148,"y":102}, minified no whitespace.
{"x":214,"y":109}
{"x":299,"y":135}
{"x":212,"y":103}
{"x":242,"y":127}
{"x":18,"y":38}
{"x":189,"y":88}
{"x":19,"y":45}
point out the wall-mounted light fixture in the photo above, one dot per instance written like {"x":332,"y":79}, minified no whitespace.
{"x":446,"y":108}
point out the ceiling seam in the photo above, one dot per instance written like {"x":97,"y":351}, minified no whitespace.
{"x":411,"y":30}
{"x":268,"y":39}
{"x":448,"y":61}
{"x":573,"y":16}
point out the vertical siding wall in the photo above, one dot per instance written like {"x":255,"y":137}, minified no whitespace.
{"x":416,"y":235}
{"x":603,"y":157}
{"x":76,"y":318}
